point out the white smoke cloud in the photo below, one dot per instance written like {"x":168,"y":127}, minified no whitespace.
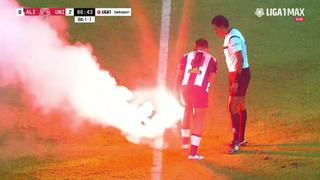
{"x":59,"y":75}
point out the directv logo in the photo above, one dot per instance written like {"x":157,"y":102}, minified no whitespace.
{"x":297,"y":12}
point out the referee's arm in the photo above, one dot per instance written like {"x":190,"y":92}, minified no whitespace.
{"x":239,"y":63}
{"x":236,"y":49}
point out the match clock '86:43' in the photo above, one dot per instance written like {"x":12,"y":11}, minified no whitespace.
{"x":84,"y":12}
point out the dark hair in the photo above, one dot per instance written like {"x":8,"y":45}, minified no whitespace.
{"x":202,"y":43}
{"x":219,"y":21}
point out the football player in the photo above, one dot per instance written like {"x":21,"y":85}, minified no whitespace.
{"x":195,"y":73}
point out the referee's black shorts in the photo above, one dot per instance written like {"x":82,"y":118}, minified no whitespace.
{"x":243,"y":82}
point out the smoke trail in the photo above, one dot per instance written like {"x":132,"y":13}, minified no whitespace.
{"x":62,"y":76}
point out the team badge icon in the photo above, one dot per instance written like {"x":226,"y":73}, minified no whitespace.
{"x":259,"y":12}
{"x":44,"y":13}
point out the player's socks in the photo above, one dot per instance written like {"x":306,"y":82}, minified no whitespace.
{"x":235,"y":128}
{"x":243,"y":122}
{"x":185,"y":135}
{"x":195,"y":142}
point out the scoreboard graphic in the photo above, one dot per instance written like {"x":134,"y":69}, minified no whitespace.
{"x":81,"y":15}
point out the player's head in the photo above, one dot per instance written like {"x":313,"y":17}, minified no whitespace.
{"x":202,"y":44}
{"x":220,"y":25}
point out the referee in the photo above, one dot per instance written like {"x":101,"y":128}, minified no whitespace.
{"x":235,"y":51}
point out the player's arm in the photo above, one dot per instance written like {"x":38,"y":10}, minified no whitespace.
{"x":179,"y":77}
{"x":214,"y":69}
{"x":212,"y":78}
{"x":178,"y":81}
{"x":177,"y":86}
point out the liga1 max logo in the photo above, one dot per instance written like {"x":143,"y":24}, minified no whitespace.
{"x":297,"y":13}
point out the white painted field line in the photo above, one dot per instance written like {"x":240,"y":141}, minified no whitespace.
{"x":164,"y":42}
{"x":162,"y":76}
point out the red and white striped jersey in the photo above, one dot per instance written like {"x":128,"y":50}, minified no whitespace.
{"x":196,"y":67}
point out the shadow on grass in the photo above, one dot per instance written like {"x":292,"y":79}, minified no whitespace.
{"x":20,"y":168}
{"x":228,"y":172}
{"x":309,"y":144}
{"x":281,"y":153}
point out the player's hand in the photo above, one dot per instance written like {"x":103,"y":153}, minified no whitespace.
{"x":181,"y":101}
{"x":177,"y":95}
{"x":176,"y":92}
{"x":234,"y":88}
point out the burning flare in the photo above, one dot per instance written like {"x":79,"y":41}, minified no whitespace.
{"x":59,"y":75}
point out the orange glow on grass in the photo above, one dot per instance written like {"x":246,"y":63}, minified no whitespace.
{"x":146,"y":68}
{"x":183,"y":30}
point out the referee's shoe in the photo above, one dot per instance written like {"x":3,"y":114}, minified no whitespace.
{"x":234,"y":149}
{"x":243,"y":143}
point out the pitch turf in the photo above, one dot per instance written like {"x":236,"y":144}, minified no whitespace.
{"x":283,"y":99}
